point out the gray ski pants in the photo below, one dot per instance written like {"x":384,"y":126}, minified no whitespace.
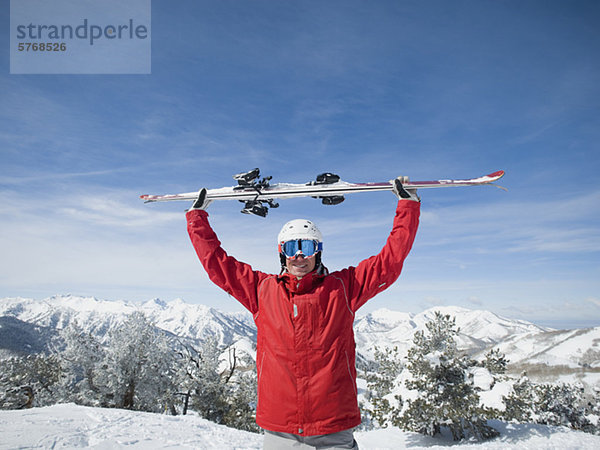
{"x":283,"y":441}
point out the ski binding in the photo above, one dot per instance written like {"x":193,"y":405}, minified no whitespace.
{"x":258,"y":194}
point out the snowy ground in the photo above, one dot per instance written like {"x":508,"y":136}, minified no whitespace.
{"x":71,"y":426}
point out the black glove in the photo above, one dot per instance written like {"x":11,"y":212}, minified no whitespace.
{"x":404,"y":194}
{"x":201,"y":202}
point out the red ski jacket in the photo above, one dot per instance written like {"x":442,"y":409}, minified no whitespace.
{"x":305,"y":351}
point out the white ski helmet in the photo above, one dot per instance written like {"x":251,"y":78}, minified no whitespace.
{"x":299,"y":229}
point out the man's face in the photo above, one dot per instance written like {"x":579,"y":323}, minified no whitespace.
{"x":300,"y":266}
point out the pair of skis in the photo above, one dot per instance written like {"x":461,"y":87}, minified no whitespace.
{"x":258,"y":194}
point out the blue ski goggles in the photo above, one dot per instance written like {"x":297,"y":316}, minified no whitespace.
{"x":297,"y":247}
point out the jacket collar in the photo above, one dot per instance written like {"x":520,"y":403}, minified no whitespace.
{"x":302,"y":285}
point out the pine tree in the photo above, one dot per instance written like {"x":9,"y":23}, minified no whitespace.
{"x":593,"y":410}
{"x":446,"y":397}
{"x":562,"y":404}
{"x":224,"y":396}
{"x":80,"y":359}
{"x":550,"y":404}
{"x":137,"y":370}
{"x":242,"y":395}
{"x":383,"y":407}
{"x":28,"y":381}
{"x":495,"y":362}
{"x":520,"y":403}
{"x":209,"y":392}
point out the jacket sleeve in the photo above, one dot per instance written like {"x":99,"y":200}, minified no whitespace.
{"x":378,"y":272}
{"x":235,"y":277}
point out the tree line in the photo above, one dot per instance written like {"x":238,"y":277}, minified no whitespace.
{"x":141,"y":367}
{"x":445,"y":396}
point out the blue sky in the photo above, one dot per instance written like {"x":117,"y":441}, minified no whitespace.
{"x":368,"y":90}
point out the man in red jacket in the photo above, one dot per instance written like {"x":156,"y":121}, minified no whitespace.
{"x":305,"y":360}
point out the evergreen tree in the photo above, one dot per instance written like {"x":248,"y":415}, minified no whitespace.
{"x":561,"y":404}
{"x":242,"y":396}
{"x":551,"y":404}
{"x":209,"y":394}
{"x":593,"y":410}
{"x":137,"y":370}
{"x":520,"y":403}
{"x":80,"y":359}
{"x":28,"y":381}
{"x":495,"y":362}
{"x":382,"y":406}
{"x":446,"y":397}
{"x":225,"y":396}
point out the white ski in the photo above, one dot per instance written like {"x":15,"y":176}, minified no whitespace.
{"x":327,"y":187}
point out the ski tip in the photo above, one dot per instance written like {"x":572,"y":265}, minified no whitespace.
{"x":495,"y":177}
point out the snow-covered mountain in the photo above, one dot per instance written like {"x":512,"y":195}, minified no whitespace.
{"x":18,"y":337}
{"x":26,"y":324}
{"x":195,"y":322}
{"x":479,"y":330}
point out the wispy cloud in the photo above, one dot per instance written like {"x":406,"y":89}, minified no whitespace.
{"x":549,"y":225}
{"x":38,"y":176}
{"x":103,"y":243}
{"x":594,"y":301}
{"x":104,"y":207}
{"x":114,"y":213}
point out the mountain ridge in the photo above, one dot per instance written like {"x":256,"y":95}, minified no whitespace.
{"x":480,"y":330}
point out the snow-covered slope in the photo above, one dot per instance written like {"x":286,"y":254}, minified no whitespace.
{"x":71,"y":426}
{"x":557,"y":348}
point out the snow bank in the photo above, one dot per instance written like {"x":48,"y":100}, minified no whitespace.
{"x":72,"y":426}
